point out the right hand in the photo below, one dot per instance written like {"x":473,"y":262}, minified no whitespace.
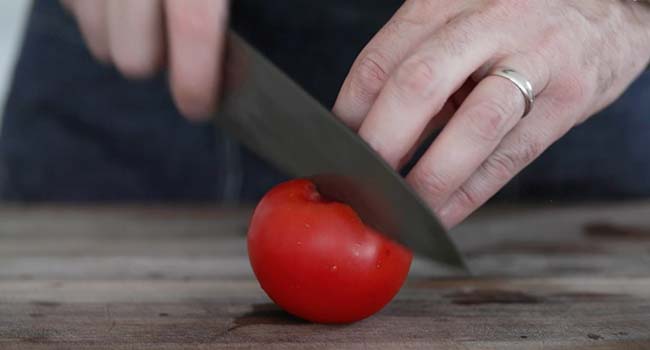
{"x":139,"y":37}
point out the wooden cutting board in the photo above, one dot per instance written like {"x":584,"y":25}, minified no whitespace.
{"x":137,"y":277}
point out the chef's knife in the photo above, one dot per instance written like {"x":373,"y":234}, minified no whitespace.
{"x":278,"y":120}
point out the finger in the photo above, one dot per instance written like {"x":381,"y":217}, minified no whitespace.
{"x":421,"y":85}
{"x":522,"y":145}
{"x":135,"y":31}
{"x":434,"y":125}
{"x":489,"y":112}
{"x":403,"y":32}
{"x":91,"y":16}
{"x":440,"y":120}
{"x":196,"y":31}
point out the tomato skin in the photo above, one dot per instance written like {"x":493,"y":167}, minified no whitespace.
{"x":317,"y":260}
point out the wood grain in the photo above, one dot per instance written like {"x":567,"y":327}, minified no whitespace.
{"x":162,"y":277}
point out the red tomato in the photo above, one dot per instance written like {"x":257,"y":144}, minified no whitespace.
{"x":317,"y":260}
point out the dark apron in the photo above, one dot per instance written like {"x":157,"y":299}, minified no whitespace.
{"x":74,"y":130}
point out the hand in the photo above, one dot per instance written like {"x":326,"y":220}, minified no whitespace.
{"x":428,"y":67}
{"x":141,"y":36}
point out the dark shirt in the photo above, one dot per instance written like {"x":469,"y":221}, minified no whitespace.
{"x":75,"y":130}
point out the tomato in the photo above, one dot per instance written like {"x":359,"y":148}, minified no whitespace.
{"x":316,"y":259}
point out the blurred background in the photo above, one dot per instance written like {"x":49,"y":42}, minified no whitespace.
{"x":12,"y":19}
{"x":75,"y":130}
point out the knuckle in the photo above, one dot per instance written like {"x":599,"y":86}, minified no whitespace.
{"x":430,"y":182}
{"x":416,"y":76}
{"x":571,"y":91}
{"x":508,"y":9}
{"x":505,"y":163}
{"x":397,"y":26}
{"x":501,"y":165}
{"x":467,"y":198}
{"x":532,"y":147}
{"x":370,"y":74}
{"x":488,"y":120}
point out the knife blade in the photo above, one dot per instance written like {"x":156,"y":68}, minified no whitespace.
{"x":275,"y":118}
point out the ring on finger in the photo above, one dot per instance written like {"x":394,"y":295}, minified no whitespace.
{"x":521,"y":82}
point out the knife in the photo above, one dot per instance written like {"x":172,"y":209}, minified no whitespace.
{"x":275,"y":118}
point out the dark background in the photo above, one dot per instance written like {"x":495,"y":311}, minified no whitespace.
{"x":75,"y":130}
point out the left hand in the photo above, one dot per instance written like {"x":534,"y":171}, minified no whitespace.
{"x":140,"y":36}
{"x":431,"y":62}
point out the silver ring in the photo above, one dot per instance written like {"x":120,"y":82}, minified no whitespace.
{"x":520,"y":82}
